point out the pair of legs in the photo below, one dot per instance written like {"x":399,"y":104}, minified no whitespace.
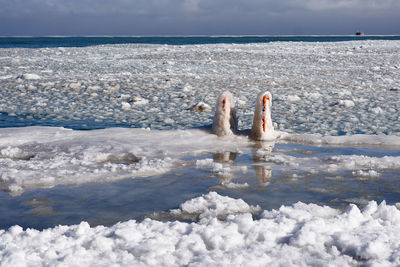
{"x":225,"y":120}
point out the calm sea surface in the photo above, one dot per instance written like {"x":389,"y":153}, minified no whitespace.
{"x":39,"y":42}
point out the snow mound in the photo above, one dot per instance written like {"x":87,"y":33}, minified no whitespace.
{"x":213,"y":205}
{"x":301,"y":235}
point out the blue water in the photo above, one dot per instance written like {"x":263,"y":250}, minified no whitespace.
{"x":109,"y":203}
{"x":41,"y":42}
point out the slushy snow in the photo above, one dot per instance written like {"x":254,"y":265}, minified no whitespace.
{"x":297,"y":235}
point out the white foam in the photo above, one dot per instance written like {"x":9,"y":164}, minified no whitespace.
{"x":301,"y":235}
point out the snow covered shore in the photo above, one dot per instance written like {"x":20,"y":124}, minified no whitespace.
{"x":301,"y":235}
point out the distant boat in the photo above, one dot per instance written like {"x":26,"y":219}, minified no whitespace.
{"x":360,"y":33}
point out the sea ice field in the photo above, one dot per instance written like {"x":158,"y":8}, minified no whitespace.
{"x":107,"y":155}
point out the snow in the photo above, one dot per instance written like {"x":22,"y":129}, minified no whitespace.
{"x":225,"y":233}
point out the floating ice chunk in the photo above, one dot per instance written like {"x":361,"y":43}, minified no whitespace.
{"x":241,"y":102}
{"x":377,"y":110}
{"x":366,"y":174}
{"x":187,"y":89}
{"x":346,"y":103}
{"x":293,"y":98}
{"x":125,"y":106}
{"x":169,"y":121}
{"x":15,"y":188}
{"x":313,"y":95}
{"x":355,"y":162}
{"x":115,"y":87}
{"x":225,"y":121}
{"x":32,"y":87}
{"x":204,"y":162}
{"x":125,"y":96}
{"x":201,"y":106}
{"x":30,"y":76}
{"x":75,"y":86}
{"x":139,"y":101}
{"x":6,"y":77}
{"x":231,"y":185}
{"x":94,"y":87}
{"x":214,"y":205}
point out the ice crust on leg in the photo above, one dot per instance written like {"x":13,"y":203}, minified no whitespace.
{"x":225,"y":121}
{"x":262,"y":128}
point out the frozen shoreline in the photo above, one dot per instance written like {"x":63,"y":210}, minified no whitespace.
{"x":40,"y":157}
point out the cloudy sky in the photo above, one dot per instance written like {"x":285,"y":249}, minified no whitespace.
{"x":193,"y":17}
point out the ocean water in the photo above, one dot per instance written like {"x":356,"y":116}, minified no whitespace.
{"x":41,"y":42}
{"x":108,"y":129}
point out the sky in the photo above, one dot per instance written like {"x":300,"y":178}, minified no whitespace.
{"x":197,"y":17}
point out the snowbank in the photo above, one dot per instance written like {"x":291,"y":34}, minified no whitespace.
{"x":301,"y":235}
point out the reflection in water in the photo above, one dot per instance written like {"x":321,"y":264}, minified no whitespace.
{"x":260,"y":151}
{"x":226,"y":156}
{"x":223,"y":174}
{"x":40,"y":206}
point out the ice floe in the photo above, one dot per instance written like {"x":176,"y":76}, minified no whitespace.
{"x":33,"y":157}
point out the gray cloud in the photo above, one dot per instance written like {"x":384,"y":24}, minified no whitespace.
{"x":130,"y":17}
